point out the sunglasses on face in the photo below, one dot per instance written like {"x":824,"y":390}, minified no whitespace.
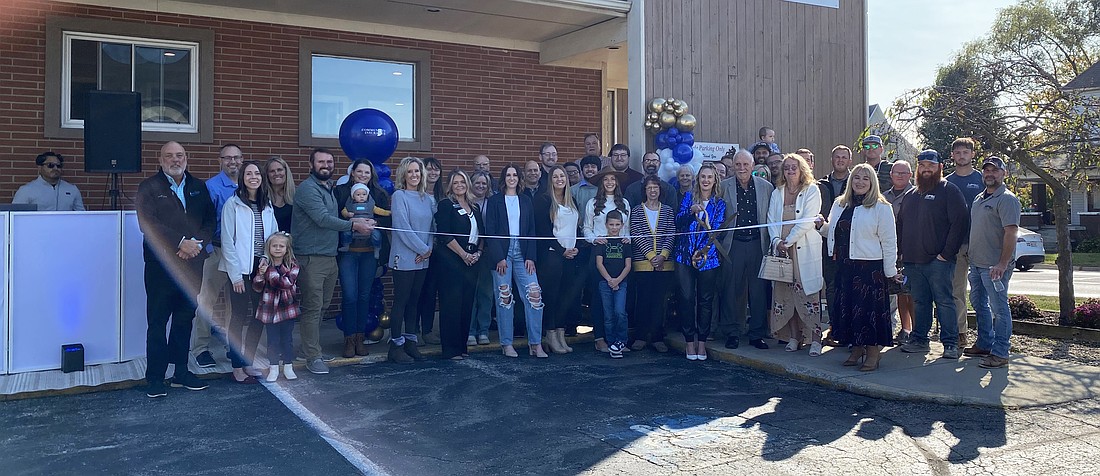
{"x":871,"y":146}
{"x":54,"y":165}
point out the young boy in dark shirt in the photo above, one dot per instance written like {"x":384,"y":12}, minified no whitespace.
{"x":613,"y":263}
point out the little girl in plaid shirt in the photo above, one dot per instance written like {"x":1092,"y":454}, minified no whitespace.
{"x":276,"y":280}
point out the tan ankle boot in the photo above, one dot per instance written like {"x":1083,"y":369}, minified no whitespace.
{"x":360,"y":347}
{"x":561,"y":340}
{"x":349,"y":346}
{"x":552,"y":341}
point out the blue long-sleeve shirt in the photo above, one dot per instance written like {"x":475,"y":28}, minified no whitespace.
{"x":221,"y":187}
{"x":686,"y":221}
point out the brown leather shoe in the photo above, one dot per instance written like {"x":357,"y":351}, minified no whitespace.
{"x":360,"y":347}
{"x":349,"y":346}
{"x":974,"y":350}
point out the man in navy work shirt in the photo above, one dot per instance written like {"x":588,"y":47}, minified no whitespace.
{"x":970,"y":183}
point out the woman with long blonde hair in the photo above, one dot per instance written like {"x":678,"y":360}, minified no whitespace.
{"x":697,"y":261}
{"x":796,"y":308}
{"x":413,"y":215}
{"x":560,"y":270}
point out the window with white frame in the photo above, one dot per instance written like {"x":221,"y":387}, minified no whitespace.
{"x":343,"y":85}
{"x":165,"y":72}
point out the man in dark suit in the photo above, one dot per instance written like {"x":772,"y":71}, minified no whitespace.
{"x":747,"y":198}
{"x":176,"y":216}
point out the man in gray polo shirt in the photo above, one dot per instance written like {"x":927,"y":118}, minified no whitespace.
{"x":994,"y":220}
{"x":316,"y":231}
{"x":48,"y":191}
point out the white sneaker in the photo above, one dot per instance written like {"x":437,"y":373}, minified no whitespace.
{"x":273,"y":373}
{"x":288,"y":371}
{"x":471,"y":340}
{"x":482,"y":339}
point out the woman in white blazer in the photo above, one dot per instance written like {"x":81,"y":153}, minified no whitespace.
{"x":796,"y":308}
{"x":863,"y":242}
{"x":248,"y":219}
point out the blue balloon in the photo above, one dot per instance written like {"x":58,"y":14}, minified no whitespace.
{"x":687,"y":138}
{"x":383,"y":171}
{"x":368,"y":134}
{"x":672,"y":131}
{"x":661,"y":140}
{"x":386,"y":185}
{"x":672,"y":141}
{"x":682,"y":153}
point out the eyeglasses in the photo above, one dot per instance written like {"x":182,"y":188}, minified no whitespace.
{"x":790,"y":167}
{"x":621,"y":155}
{"x":901,"y":173}
{"x":549,"y":154}
{"x":231,"y":157}
{"x":54,"y":165}
{"x":871,"y":146}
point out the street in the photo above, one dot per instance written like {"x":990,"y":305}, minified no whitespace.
{"x":580,"y":413}
{"x":1044,"y":282}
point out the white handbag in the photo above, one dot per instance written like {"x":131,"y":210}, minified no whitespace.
{"x":776,"y":268}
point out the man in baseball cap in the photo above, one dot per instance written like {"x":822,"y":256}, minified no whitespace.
{"x":872,"y":148}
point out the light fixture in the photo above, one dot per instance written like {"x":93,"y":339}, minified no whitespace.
{"x":433,"y":10}
{"x":169,"y":54}
{"x":612,"y":47}
{"x":397,"y":73}
{"x":398,"y":104}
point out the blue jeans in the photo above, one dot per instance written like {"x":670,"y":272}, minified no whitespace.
{"x":483,"y":302}
{"x":994,"y":328}
{"x":614,"y":312}
{"x":526,"y":288}
{"x":930,"y":284}
{"x":357,"y":272}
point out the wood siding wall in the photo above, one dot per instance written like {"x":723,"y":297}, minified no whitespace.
{"x":743,"y":64}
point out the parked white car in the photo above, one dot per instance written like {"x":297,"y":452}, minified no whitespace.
{"x":1029,"y":249}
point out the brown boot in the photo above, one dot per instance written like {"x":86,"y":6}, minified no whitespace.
{"x":873,"y":356}
{"x":360,"y":347}
{"x":349,"y":346}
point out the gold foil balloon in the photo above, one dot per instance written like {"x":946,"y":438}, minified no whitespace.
{"x":667,"y":120}
{"x":656,"y":127}
{"x":685,"y":123}
{"x":653,"y":117}
{"x":378,"y":333}
{"x":681,"y":104}
{"x":648,"y":124}
{"x":670,"y":105}
{"x":679,"y":111}
{"x":656,"y":105}
{"x":384,"y":320}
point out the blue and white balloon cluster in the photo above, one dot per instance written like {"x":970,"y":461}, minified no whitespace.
{"x":370,"y":134}
{"x":673,"y":137}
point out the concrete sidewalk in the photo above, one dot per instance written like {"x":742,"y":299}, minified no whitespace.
{"x":1027,"y":382}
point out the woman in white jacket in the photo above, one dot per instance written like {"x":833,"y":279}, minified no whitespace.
{"x":796,"y":308}
{"x":863,"y":242}
{"x":247,"y":220}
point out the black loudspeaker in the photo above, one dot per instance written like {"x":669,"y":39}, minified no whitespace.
{"x":72,"y":358}
{"x":112,"y":132}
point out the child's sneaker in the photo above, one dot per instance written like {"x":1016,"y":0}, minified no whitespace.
{"x":616,"y":350}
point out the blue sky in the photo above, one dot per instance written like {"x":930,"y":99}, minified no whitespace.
{"x":909,"y":39}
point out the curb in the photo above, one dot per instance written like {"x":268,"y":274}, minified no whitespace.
{"x":1075,"y":268}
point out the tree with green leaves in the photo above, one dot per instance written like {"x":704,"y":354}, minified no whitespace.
{"x":1015,"y":103}
{"x":948,"y":119}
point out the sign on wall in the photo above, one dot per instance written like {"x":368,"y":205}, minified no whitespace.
{"x":713,"y":151}
{"x":820,"y":3}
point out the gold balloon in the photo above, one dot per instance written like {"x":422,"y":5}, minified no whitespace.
{"x":681,"y":104}
{"x":384,"y":319}
{"x":653,"y":117}
{"x":670,"y":106}
{"x":378,"y":333}
{"x":656,"y":127}
{"x":679,"y":112}
{"x":685,"y":123}
{"x":667,"y":119}
{"x":656,"y":105}
{"x":648,"y":124}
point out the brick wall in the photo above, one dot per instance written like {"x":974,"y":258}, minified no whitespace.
{"x":499,"y":102}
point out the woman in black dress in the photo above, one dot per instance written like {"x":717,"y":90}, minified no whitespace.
{"x":459,"y":262}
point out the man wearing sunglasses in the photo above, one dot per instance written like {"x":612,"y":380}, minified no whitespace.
{"x":871,"y":149}
{"x":48,"y":191}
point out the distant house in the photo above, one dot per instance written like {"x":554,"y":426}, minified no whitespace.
{"x":897,"y":145}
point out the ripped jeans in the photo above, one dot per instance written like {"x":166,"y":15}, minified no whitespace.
{"x":529,"y":292}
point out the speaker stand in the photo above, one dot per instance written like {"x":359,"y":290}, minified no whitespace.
{"x":114,"y":191}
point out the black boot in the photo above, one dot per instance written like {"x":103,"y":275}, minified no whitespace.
{"x":397,"y":354}
{"x":410,"y":348}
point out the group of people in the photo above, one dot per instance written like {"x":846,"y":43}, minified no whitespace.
{"x":534,"y":241}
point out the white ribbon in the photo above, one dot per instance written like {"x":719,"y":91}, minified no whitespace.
{"x":720,"y":230}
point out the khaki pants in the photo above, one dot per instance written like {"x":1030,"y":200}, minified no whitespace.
{"x":958,"y":284}
{"x":316,"y":281}
{"x":214,"y":282}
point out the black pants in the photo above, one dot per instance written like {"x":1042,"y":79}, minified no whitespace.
{"x":428,"y":294}
{"x":407,"y":286}
{"x":828,"y":271}
{"x":595,"y":302}
{"x":649,"y":314}
{"x":244,"y":330}
{"x":741,"y":287}
{"x":168,"y":298}
{"x":456,"y":301}
{"x":697,"y":291}
{"x":561,"y":280}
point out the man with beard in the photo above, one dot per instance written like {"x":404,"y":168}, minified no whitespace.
{"x":548,"y":154}
{"x":316,"y":230}
{"x":747,"y":198}
{"x":635,"y":193}
{"x":760,"y":152}
{"x":931,"y":226}
{"x":994,"y":220}
{"x":774,"y":162}
{"x":901,"y":175}
{"x":970,"y":183}
{"x":176,"y":217}
{"x":585,"y":190}
{"x":620,"y":161}
{"x":214,"y":281}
